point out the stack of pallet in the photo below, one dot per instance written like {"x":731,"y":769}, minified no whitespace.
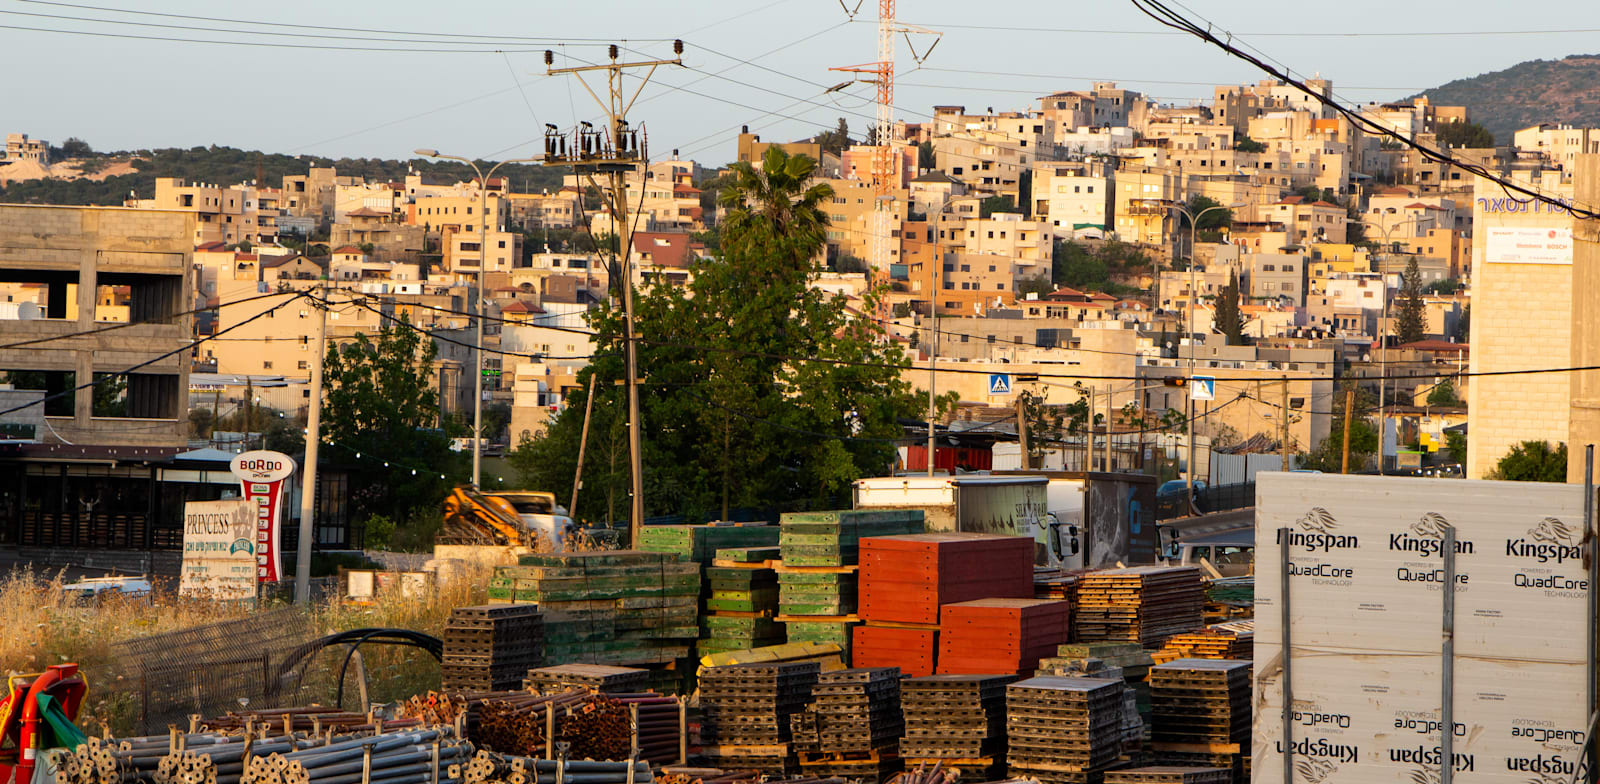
{"x":700,"y":543}
{"x":1122,"y":660}
{"x":817,"y":579}
{"x":1000,"y":635}
{"x":490,"y":647}
{"x":1200,"y":714}
{"x":905,"y":579}
{"x":1142,"y":604}
{"x":1231,"y":640}
{"x":745,"y":710}
{"x":595,"y":678}
{"x":740,"y":611}
{"x":1168,"y":774}
{"x":853,"y":725}
{"x":1063,"y":730}
{"x":610,"y":606}
{"x":957,"y":722}
{"x":1058,"y":585}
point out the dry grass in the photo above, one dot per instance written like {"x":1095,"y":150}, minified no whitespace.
{"x":45,"y":626}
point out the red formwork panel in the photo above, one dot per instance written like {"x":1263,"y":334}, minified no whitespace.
{"x":906,"y":579}
{"x":914,"y":650}
{"x":1001,"y":635}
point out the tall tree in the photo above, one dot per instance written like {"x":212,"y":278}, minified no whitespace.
{"x":763,"y":391}
{"x":381,"y":416}
{"x":836,"y":140}
{"x":1229,"y":316}
{"x":1533,"y":461}
{"x":1412,"y":321}
{"x":1464,"y":134}
{"x":1328,"y":457}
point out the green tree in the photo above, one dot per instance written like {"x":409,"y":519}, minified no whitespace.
{"x":1214,"y":220}
{"x":1445,"y":287}
{"x":1412,"y":321}
{"x":1073,"y":265}
{"x":1464,"y":134}
{"x":1456,"y":444}
{"x":1463,"y":331}
{"x":1328,"y":457}
{"x":1444,"y":394}
{"x":381,"y":414}
{"x":925,"y":157}
{"x":850,"y":263}
{"x":994,"y":204}
{"x":835,"y":141}
{"x":1229,"y":316}
{"x":1533,"y":461}
{"x":763,"y":391}
{"x":1243,"y":143}
{"x":1036,"y":285}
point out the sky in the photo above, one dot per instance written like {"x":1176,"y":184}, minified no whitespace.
{"x":761,"y":63}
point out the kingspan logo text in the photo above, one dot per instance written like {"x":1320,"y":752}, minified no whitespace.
{"x":1318,"y":533}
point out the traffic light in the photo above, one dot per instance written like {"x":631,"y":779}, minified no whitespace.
{"x":1178,"y":381}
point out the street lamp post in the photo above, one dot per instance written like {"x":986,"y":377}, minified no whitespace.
{"x":1194,"y":225}
{"x":478,"y":298}
{"x":1383,"y":332}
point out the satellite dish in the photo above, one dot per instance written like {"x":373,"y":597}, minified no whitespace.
{"x":29,"y":311}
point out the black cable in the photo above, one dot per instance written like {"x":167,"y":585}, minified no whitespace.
{"x":126,"y":324}
{"x":174,"y":39}
{"x":129,"y":371}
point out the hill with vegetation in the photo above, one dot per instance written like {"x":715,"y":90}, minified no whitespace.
{"x":231,"y":166}
{"x":1538,"y":91}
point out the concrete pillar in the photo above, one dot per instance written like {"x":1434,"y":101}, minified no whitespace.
{"x":1584,"y":420}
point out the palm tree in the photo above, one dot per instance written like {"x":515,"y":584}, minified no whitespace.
{"x":777,"y":197}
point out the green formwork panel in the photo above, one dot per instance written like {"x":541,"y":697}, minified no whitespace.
{"x":747,"y":554}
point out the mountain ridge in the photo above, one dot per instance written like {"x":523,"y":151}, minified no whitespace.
{"x":1565,"y":91}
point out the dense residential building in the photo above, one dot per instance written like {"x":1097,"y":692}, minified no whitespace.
{"x":21,"y":148}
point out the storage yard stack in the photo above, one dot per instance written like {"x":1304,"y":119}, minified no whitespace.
{"x":853,"y":725}
{"x":1200,"y":714}
{"x":905,"y":579}
{"x":957,"y":722}
{"x":1169,"y":774}
{"x":608,"y":607}
{"x":1231,"y":640}
{"x":817,"y":579}
{"x":491,"y":647}
{"x":1142,"y":604}
{"x":1000,"y":635}
{"x":746,"y":710}
{"x":700,"y":543}
{"x":1063,"y":730}
{"x":596,"y":678}
{"x":1126,"y":663}
{"x":740,"y":613}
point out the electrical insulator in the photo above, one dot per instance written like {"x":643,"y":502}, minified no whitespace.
{"x":563,"y":146}
{"x":677,"y":46}
{"x":549,"y":58}
{"x":613,"y":51}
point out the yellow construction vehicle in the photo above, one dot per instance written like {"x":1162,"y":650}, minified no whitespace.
{"x":514,"y":517}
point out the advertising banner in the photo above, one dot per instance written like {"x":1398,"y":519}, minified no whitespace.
{"x":1529,"y":245}
{"x":219,"y":549}
{"x":261,"y":475}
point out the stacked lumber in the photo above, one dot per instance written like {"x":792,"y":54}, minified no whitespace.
{"x":1063,"y":730}
{"x":490,"y":647}
{"x":957,"y":722}
{"x":739,"y":613}
{"x":1142,"y":604}
{"x":745,"y":711}
{"x":610,"y":606}
{"x":1058,"y":585}
{"x":593,"y":678}
{"x":817,"y":583}
{"x":1000,"y":635}
{"x":827,"y":656}
{"x":1126,"y":661}
{"x":1168,"y":774}
{"x":852,"y":726}
{"x":1231,"y":640}
{"x":1200,"y":713}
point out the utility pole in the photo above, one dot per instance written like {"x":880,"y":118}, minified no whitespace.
{"x":249,"y":399}
{"x":1285,"y":442}
{"x":308,"y":471}
{"x":1349,"y":411}
{"x":583,"y":443}
{"x":1022,"y":433}
{"x":1111,"y":416}
{"x":615,"y":151}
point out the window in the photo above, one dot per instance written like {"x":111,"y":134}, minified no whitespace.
{"x":1091,"y":189}
{"x":304,"y":365}
{"x":266,"y":365}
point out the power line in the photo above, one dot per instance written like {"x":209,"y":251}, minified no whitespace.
{"x":482,"y":46}
{"x":265,"y":44}
{"x":1310,"y":34}
{"x":126,"y":324}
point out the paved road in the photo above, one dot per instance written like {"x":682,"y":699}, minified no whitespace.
{"x":11,"y":561}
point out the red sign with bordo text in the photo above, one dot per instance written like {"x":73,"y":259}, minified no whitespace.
{"x":261,"y":476}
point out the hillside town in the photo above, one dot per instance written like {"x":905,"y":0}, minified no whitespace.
{"x":1091,"y":438}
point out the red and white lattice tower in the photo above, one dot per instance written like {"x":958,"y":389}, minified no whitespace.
{"x":883,"y":162}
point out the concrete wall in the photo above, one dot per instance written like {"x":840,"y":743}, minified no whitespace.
{"x":1584,"y":413}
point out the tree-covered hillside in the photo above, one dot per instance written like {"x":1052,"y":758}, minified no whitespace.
{"x":1538,"y":91}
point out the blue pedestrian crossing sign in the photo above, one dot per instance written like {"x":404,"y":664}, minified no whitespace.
{"x":999,"y":383}
{"x":1203,"y":388}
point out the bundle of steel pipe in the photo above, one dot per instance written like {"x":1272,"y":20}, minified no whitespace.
{"x":491,"y":768}
{"x":409,"y":757}
{"x":658,"y":726}
{"x":520,"y":723}
{"x":678,"y":774}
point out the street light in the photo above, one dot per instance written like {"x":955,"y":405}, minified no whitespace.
{"x":1383,"y":329}
{"x":477,"y":311}
{"x":1194,"y":225}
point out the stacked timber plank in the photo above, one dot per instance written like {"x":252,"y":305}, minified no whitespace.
{"x":1142,"y":604}
{"x":490,"y":647}
{"x":817,"y":582}
{"x":1122,"y":660}
{"x":957,"y":722}
{"x":595,"y":678}
{"x":1169,"y":774}
{"x":852,"y":726}
{"x":905,"y":579}
{"x":740,"y":611}
{"x":1000,"y":635}
{"x":1063,"y":730}
{"x":1058,"y":585}
{"x":1200,"y":713}
{"x":746,"y":709}
{"x":1230,"y":640}
{"x":608,"y":607}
